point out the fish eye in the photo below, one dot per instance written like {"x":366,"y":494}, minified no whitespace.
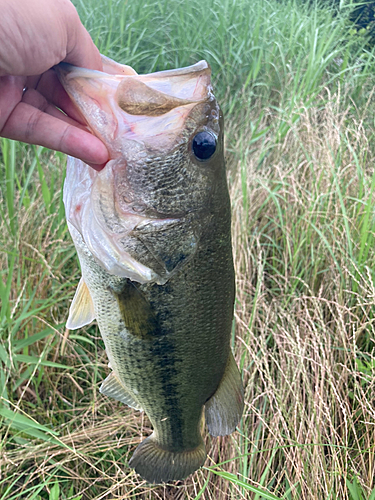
{"x":204,"y":145}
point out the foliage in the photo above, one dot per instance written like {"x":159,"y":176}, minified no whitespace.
{"x":361,"y":15}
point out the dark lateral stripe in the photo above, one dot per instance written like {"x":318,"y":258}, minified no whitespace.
{"x":158,"y":341}
{"x":164,"y":351}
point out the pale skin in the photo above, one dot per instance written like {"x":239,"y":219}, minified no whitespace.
{"x":35,"y":35}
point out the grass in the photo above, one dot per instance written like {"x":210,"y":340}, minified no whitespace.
{"x":296,"y":84}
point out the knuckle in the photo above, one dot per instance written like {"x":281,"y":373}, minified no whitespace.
{"x":63,"y":143}
{"x":32,"y":125}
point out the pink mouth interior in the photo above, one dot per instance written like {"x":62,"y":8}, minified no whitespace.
{"x":151,"y":109}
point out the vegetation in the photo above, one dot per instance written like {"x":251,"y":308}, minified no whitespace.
{"x":362,"y":15}
{"x":297,"y":89}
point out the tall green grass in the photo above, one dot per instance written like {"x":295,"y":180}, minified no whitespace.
{"x":280,"y":52}
{"x":296,"y":85}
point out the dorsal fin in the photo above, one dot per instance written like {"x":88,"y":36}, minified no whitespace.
{"x":81,"y":311}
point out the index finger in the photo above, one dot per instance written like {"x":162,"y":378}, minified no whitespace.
{"x":31,"y":125}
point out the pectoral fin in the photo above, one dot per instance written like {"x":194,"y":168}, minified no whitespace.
{"x":224,"y":409}
{"x":81,"y":310}
{"x":138,"y":315}
{"x":113,"y":388}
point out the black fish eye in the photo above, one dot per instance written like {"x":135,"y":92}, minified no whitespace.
{"x":204,"y":145}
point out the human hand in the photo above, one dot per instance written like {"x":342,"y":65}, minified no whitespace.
{"x":34,"y":36}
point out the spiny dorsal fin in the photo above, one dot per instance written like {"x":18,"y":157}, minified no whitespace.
{"x":113,"y":388}
{"x":224,"y":409}
{"x":81,"y":310}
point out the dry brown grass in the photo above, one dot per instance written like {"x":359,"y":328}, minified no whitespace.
{"x":305,"y":308}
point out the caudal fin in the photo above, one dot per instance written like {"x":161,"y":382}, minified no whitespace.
{"x":157,"y":465}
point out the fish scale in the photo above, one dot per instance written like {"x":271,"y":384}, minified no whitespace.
{"x":154,"y":242}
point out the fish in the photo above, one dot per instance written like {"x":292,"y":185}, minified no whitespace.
{"x":152,"y":232}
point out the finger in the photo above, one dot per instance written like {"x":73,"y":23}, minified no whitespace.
{"x":35,"y":99}
{"x":50,"y":87}
{"x":31,"y":125}
{"x":33,"y":81}
{"x":11,"y":89}
{"x":81,"y":50}
{"x":84,"y":53}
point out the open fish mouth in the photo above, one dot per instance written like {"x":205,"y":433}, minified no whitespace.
{"x":125,"y":106}
{"x":142,"y":119}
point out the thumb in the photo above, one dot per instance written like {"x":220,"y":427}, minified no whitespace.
{"x":81,"y":50}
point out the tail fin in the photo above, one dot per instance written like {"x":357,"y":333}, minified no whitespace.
{"x":159,"y":466}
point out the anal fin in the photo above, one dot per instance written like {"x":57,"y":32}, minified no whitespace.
{"x":224,"y":409}
{"x":113,"y":388}
{"x":81,"y":311}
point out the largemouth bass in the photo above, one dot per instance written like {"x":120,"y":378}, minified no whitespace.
{"x":153,"y":236}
